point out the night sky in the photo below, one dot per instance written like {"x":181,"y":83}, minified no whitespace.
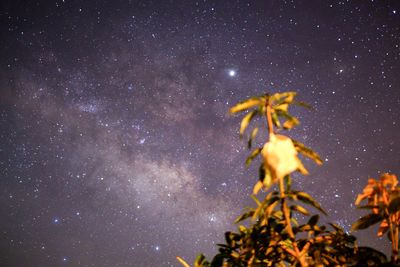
{"x":116,"y":146}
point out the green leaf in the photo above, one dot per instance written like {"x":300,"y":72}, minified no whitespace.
{"x":268,"y":202}
{"x":242,"y":228}
{"x":264,"y":175}
{"x":307,"y":199}
{"x":252,"y":137}
{"x":275,"y":119}
{"x":229,"y":238}
{"x":251,"y":102}
{"x":200,"y":261}
{"x":290,"y":121}
{"x":307,"y":152}
{"x":244,"y":216}
{"x":394,"y":205}
{"x":256,"y":200}
{"x":253,"y":154}
{"x":366,"y":221}
{"x":287,"y":243}
{"x":272,"y":200}
{"x":246,"y":120}
{"x":288,"y":182}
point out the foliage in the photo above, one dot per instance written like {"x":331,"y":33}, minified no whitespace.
{"x":274,"y":236}
{"x":383,"y":200}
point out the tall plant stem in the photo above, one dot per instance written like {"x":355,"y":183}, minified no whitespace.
{"x":394,"y":235}
{"x":285,"y":210}
{"x":392,"y":238}
{"x":286,"y":213}
{"x":268,"y":114}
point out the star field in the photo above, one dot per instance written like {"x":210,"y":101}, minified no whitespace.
{"x":116,"y":147}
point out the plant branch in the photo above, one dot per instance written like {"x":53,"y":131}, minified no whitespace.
{"x":286,"y":214}
{"x":269,"y":116}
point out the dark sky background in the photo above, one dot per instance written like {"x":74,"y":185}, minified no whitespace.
{"x":116,"y":147}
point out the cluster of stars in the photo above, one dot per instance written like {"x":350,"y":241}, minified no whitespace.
{"x":116,"y":146}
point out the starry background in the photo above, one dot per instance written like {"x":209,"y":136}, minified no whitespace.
{"x":116,"y":144}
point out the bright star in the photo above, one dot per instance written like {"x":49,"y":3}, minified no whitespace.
{"x":232,"y":73}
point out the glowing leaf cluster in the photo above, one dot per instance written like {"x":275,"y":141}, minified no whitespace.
{"x":280,"y":152}
{"x":383,"y":199}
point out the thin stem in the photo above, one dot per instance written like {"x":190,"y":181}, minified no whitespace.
{"x":285,"y":209}
{"x":394,"y":235}
{"x":268,"y":113}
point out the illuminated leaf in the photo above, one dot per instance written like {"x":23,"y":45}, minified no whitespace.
{"x":257,"y":187}
{"x":253,"y":154}
{"x":252,"y":137}
{"x":234,"y":254}
{"x":300,"y":209}
{"x":280,"y":98}
{"x":265,"y":176}
{"x":200,"y":261}
{"x":251,"y":102}
{"x":256,"y":200}
{"x":280,"y":156}
{"x":288,"y":182}
{"x":307,"y":152}
{"x":244,"y":216}
{"x":246,"y":120}
{"x":242,"y":228}
{"x":368,"y":207}
{"x":301,"y":168}
{"x":290,"y":123}
{"x":287,"y":243}
{"x":182,"y":261}
{"x":307,"y":199}
{"x":368,"y":192}
{"x":302,"y":104}
{"x":282,"y":107}
{"x":383,"y":228}
{"x":275,"y":119}
{"x":389,"y":179}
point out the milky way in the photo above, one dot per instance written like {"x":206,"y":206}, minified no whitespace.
{"x":116,"y":144}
